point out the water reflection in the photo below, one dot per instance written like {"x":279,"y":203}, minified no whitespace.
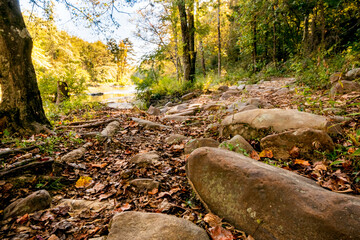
{"x":114,"y":96}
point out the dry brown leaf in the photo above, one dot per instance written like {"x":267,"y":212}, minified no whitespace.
{"x":98,"y":165}
{"x":23,"y":219}
{"x":302,"y":162}
{"x":212,"y":220}
{"x":294,"y":152}
{"x":250,"y":238}
{"x":255,"y":155}
{"x":219,"y":233}
{"x":154,"y":191}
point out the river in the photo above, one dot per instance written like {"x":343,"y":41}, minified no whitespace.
{"x":112,"y":95}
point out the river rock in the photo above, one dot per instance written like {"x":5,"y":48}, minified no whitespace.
{"x":353,"y":74}
{"x":189,"y":96}
{"x":258,"y":123}
{"x":154,"y":111}
{"x":309,"y":141}
{"x":148,"y":124}
{"x":34,"y":202}
{"x":223,"y":88}
{"x":144,"y":184}
{"x":75,"y":154}
{"x":140,"y":225}
{"x":178,"y":108}
{"x":200,"y":142}
{"x":335,"y":77}
{"x":344,"y":87}
{"x":146,"y":159}
{"x":226,"y":95}
{"x":269,"y":202}
{"x":213,"y":107}
{"x":237,"y":144}
{"x":110,"y":129}
{"x":177,"y":118}
{"x":175,"y":139}
{"x":78,"y":205}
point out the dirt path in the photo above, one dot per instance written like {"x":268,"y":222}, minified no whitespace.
{"x":107,"y":170}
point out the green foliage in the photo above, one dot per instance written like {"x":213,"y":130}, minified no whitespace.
{"x":75,"y":105}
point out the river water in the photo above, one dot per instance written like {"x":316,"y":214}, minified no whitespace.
{"x":112,"y":95}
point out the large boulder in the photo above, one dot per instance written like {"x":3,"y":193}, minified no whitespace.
{"x":344,"y":87}
{"x":308,"y":141}
{"x":258,"y":123}
{"x":151,"y":226}
{"x":269,"y":202}
{"x":34,"y":202}
{"x":198,"y":143}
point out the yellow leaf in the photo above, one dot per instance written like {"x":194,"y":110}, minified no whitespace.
{"x":266,"y":154}
{"x":84,"y":181}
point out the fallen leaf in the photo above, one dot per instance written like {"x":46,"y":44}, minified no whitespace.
{"x":84,"y":181}
{"x":302,"y":162}
{"x":99,"y":165}
{"x":23,"y":219}
{"x":154,"y":191}
{"x":267,"y":153}
{"x":294,"y":152}
{"x":320,"y":166}
{"x":212,"y":220}
{"x":250,"y":238}
{"x":98,"y":187}
{"x":124,"y":207}
{"x":219,"y":233}
{"x":255,"y":155}
{"x":105,"y":196}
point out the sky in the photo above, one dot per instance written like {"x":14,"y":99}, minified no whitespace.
{"x":126,"y":30}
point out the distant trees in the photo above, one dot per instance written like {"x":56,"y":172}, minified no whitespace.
{"x":121,"y":53}
{"x":253,"y":35}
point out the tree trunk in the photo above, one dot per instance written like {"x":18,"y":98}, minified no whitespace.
{"x":201,"y":46}
{"x":219,"y":39}
{"x":21,"y":108}
{"x":254,"y":53}
{"x":62,"y":92}
{"x":188,"y":34}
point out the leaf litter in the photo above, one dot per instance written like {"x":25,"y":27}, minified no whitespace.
{"x":103,"y":174}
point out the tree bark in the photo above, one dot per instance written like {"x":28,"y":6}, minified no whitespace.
{"x":254,"y":43}
{"x":188,"y":37}
{"x":219,"y":39}
{"x":21,"y":107}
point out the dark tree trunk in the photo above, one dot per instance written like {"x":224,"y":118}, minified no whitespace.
{"x":188,"y":37}
{"x":62,"y":92}
{"x":219,"y":38}
{"x":21,"y":108}
{"x":254,"y":52}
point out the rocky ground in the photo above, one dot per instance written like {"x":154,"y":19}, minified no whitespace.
{"x":128,"y":161}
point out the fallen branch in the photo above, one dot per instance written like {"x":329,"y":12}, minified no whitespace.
{"x":90,"y":125}
{"x":31,"y":166}
{"x":19,"y":150}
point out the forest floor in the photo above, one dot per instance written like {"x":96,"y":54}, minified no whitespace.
{"x":104,"y":172}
